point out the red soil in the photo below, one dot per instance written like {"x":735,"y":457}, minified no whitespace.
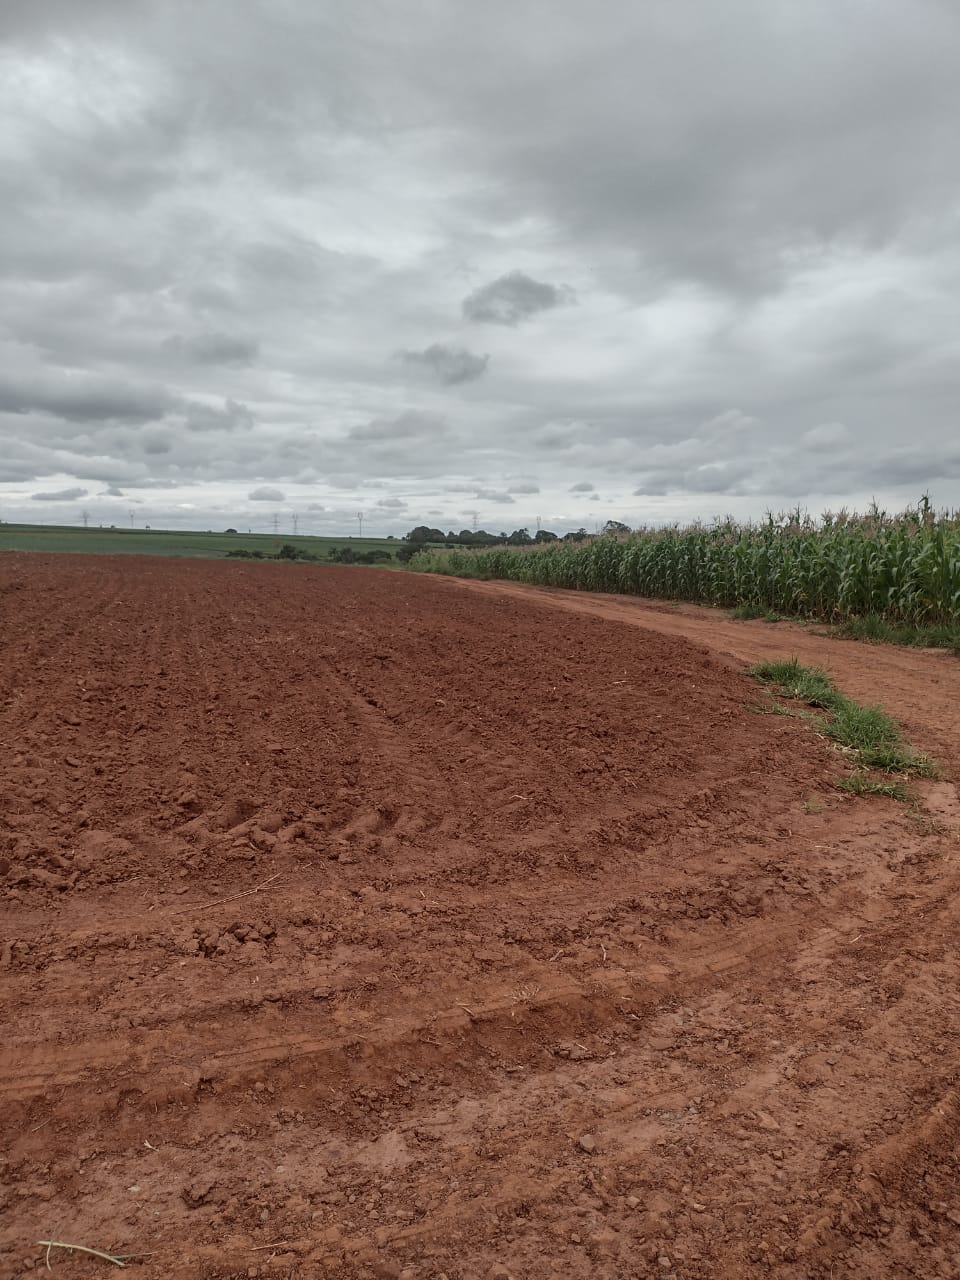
{"x":354,"y":924}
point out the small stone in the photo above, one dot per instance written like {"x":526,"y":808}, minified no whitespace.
{"x":574,"y":1237}
{"x":587,"y":1142}
{"x":499,"y":1272}
{"x":633,"y":1202}
{"x":664,"y":1261}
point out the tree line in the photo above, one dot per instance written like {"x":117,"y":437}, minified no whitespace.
{"x":423,"y":536}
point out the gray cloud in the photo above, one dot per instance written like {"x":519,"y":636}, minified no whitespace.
{"x":266,"y":494}
{"x":494,"y":495}
{"x":78,"y":397}
{"x":112,"y":492}
{"x":61,"y":495}
{"x":512,"y":298}
{"x":412,"y":425}
{"x":213,"y":348}
{"x":449,"y":365}
{"x":582,"y":486}
{"x":523,"y":488}
{"x":392,"y":504}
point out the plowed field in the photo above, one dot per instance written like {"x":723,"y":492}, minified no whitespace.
{"x":356,"y":924}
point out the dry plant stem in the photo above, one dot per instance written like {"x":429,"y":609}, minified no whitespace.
{"x":220,"y":901}
{"x":80,"y":1248}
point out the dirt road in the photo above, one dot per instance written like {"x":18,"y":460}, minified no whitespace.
{"x":357,"y":924}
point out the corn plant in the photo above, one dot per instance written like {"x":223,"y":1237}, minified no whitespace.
{"x":904,"y":569}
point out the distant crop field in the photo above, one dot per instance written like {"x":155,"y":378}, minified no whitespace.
{"x":163,"y":542}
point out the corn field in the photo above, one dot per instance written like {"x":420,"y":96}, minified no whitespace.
{"x":903,"y":568}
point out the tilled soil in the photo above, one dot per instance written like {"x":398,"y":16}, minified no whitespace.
{"x":355,"y":924}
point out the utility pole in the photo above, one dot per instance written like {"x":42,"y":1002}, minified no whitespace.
{"x":131,"y":519}
{"x":86,"y":519}
{"x":276,"y":523}
{"x":296,"y":521}
{"x":360,"y":522}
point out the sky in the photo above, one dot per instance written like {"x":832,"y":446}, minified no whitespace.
{"x":476,"y":264}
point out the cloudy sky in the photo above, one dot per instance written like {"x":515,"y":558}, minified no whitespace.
{"x":442,"y":261}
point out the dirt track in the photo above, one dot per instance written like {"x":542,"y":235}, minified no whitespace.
{"x":562,"y":962}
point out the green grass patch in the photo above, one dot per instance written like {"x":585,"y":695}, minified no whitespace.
{"x":862,"y":784}
{"x":192,"y":544}
{"x":754,"y":613}
{"x":872,"y":736}
{"x":806,"y":684}
{"x":877,"y":630}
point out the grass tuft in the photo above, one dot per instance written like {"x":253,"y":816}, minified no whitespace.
{"x":877,"y":630}
{"x":868,"y":732}
{"x":807,"y":684}
{"x":861,"y":784}
{"x":753,"y":612}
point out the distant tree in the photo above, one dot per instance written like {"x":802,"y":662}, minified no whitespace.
{"x":544,"y":535}
{"x":423,"y":533}
{"x":616,"y":526}
{"x":578,"y":536}
{"x":520,"y":538}
{"x":229,"y":531}
{"x":407,"y":552}
{"x":342,"y":555}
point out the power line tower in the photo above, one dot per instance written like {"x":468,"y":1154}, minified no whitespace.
{"x":474,"y":516}
{"x":86,"y":519}
{"x":131,"y":514}
{"x":538,"y":524}
{"x":360,"y":522}
{"x":276,"y":523}
{"x":296,"y":523}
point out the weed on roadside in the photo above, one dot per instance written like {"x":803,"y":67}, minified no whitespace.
{"x":868,"y":733}
{"x":755,"y":613}
{"x":861,"y":784}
